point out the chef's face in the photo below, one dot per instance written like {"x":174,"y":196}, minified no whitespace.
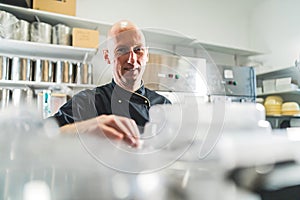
{"x":129,"y":56}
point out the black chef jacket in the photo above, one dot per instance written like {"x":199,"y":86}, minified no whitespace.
{"x":110,"y":99}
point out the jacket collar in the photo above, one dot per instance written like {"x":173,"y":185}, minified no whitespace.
{"x":140,"y":91}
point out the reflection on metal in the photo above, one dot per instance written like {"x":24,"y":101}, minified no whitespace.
{"x":175,"y":73}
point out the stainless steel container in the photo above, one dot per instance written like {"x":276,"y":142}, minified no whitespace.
{"x":43,"y":71}
{"x":22,"y":31}
{"x":19,"y":96}
{"x":82,"y":73}
{"x":62,"y":72}
{"x":40,"y":32}
{"x":7,"y":24}
{"x":51,"y":71}
{"x":4,"y":68}
{"x":61,"y":34}
{"x":90,"y":74}
{"x":5,"y":96}
{"x":58,"y":71}
{"x":21,"y":69}
{"x":70,"y":72}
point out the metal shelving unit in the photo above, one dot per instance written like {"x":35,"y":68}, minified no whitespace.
{"x":45,"y":51}
{"x":292,"y":71}
{"x":153,"y":35}
{"x":279,"y":121}
{"x":41,"y":85}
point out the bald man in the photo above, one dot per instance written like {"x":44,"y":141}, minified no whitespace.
{"x":120,"y":109}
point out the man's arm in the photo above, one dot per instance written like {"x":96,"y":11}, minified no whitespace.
{"x":111,"y":126}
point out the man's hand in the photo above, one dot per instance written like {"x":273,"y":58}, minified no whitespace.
{"x":111,"y":126}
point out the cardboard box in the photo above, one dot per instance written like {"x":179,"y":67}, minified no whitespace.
{"x":67,"y":7}
{"x":85,"y":38}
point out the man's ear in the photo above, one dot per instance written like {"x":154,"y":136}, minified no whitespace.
{"x":147,"y":51}
{"x":106,"y":56}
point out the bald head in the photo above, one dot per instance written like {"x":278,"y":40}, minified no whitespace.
{"x":125,"y":31}
{"x":121,"y":26}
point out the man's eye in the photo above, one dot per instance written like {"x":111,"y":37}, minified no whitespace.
{"x":122,"y":50}
{"x":138,"y":49}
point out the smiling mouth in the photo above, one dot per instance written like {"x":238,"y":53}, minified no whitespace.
{"x":131,"y":69}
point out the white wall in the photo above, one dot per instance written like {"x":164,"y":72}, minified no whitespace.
{"x":222,"y":22}
{"x":275,"y":26}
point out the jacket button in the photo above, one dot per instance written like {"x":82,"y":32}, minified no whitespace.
{"x":120,"y":101}
{"x":146,"y":101}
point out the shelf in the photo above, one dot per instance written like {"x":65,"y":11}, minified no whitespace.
{"x":40,"y":50}
{"x":283,"y":116}
{"x":279,"y":72}
{"x":31,"y":15}
{"x":297,"y":91}
{"x":40,"y":85}
{"x":153,"y":35}
{"x":172,"y":38}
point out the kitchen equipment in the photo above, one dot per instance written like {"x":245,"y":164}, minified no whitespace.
{"x":19,"y":96}
{"x":63,"y":71}
{"x":40,"y":32}
{"x":21,"y":69}
{"x":5,"y":97}
{"x":174,"y":73}
{"x":90,"y":74}
{"x":195,"y":76}
{"x":82,"y":70}
{"x":4,"y":68}
{"x":61,"y":34}
{"x":22,"y":30}
{"x":7,"y":24}
{"x":43,"y":70}
{"x":234,"y":83}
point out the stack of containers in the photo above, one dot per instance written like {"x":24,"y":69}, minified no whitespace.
{"x":290,"y":108}
{"x":273,"y":105}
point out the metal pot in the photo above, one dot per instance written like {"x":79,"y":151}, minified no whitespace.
{"x":4,"y":68}
{"x":43,"y":71}
{"x":5,"y":96}
{"x":22,"y":31}
{"x":7,"y":24}
{"x":82,"y":71}
{"x":21,"y":69}
{"x":40,"y":32}
{"x":61,"y":34}
{"x":63,"y":72}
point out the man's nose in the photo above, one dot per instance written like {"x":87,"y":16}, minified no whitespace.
{"x":132,"y":57}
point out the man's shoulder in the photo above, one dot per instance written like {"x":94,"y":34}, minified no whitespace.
{"x":153,"y":95}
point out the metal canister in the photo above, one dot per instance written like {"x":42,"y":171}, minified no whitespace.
{"x":62,"y":71}
{"x":21,"y":69}
{"x":51,"y":71}
{"x":90,"y":74}
{"x":70,"y":72}
{"x":58,"y":71}
{"x":61,"y":34}
{"x":82,"y":73}
{"x":7,"y":24}
{"x":65,"y":70}
{"x":42,"y":70}
{"x":19,"y":96}
{"x":5,"y":97}
{"x":40,"y":32}
{"x":4,"y":68}
{"x":22,"y":31}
